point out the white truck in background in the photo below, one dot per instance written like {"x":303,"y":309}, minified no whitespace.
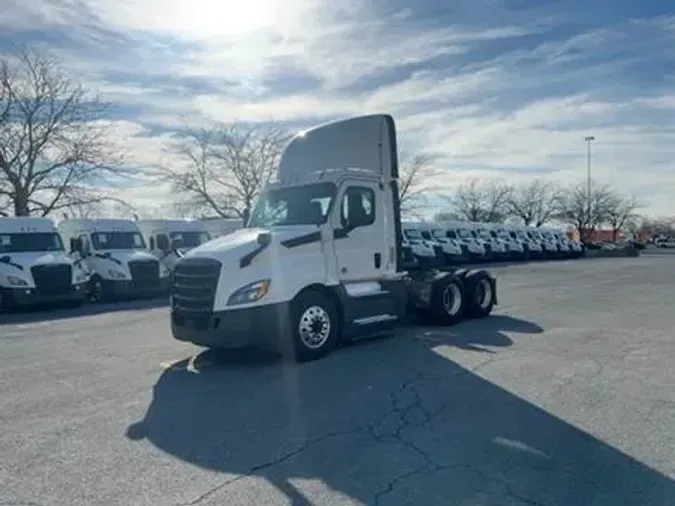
{"x":169,"y":240}
{"x":426,"y":253}
{"x":117,"y":256}
{"x":34,"y":268}
{"x":321,"y":259}
{"x":472,"y":247}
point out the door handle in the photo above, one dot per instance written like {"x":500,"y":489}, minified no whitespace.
{"x":377,"y":258}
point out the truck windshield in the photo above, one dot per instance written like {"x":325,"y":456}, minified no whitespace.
{"x":426,"y":235}
{"x":117,"y":240}
{"x":21,"y":243}
{"x":296,"y":205}
{"x":440,"y":233}
{"x":190,"y":239}
{"x":411,"y":233}
{"x":465,"y":233}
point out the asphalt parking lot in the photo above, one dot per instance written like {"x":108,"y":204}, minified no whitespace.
{"x":565,"y":396}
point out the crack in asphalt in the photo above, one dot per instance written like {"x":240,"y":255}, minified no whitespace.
{"x":271,"y":463}
{"x":407,"y":411}
{"x":19,"y":503}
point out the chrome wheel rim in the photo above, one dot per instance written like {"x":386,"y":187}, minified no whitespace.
{"x":452,"y":299}
{"x":314,"y":327}
{"x":484,"y":290}
{"x":96,"y":291}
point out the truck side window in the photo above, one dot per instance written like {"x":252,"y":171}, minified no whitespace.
{"x":152,"y":242}
{"x":84,"y":243}
{"x":358,"y":207}
{"x":163,"y":242}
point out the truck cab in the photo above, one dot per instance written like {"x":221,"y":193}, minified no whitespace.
{"x":514,"y":248}
{"x":563,"y":245}
{"x":426,"y":251}
{"x":321,"y":258}
{"x":117,"y":256}
{"x":532,"y":247}
{"x":496,"y":248}
{"x":34,"y":268}
{"x":472,"y":247}
{"x":549,"y":248}
{"x":454,"y":251}
{"x":169,"y":240}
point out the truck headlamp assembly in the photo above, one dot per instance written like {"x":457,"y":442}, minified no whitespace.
{"x":16,"y":281}
{"x":249,"y":293}
{"x":116,"y":274}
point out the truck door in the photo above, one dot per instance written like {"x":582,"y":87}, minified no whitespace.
{"x":359,"y":234}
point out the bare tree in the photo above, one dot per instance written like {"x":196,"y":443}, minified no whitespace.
{"x":225,"y":166}
{"x":535,"y":203}
{"x":54,"y":143}
{"x":620,"y":212}
{"x":664,"y":225}
{"x":446,"y":216}
{"x":484,"y":201}
{"x":415,"y":172}
{"x":104,"y":206}
{"x":574,"y":208}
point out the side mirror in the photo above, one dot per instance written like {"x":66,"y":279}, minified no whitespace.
{"x":163,"y":243}
{"x":176,"y":244}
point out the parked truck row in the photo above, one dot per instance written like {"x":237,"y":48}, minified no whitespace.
{"x":457,"y":243}
{"x":74,"y":260}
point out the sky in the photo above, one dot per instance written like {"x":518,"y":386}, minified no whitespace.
{"x":503,"y":89}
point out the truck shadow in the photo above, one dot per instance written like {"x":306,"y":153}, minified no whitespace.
{"x":42,"y":314}
{"x":394,"y":421}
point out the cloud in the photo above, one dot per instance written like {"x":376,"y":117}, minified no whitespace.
{"x":492,"y":88}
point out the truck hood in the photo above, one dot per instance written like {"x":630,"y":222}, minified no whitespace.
{"x":123,"y":256}
{"x":243,"y":241}
{"x":24,"y":261}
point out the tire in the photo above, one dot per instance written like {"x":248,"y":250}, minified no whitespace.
{"x":310,"y":310}
{"x":480,"y":294}
{"x":96,"y":293}
{"x":447,"y":301}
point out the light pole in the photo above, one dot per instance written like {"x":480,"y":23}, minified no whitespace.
{"x":588,"y":139}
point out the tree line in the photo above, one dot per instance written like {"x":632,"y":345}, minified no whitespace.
{"x":540,"y":201}
{"x":57,"y":155}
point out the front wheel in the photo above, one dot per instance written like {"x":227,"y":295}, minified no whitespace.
{"x":96,"y":292}
{"x":314,"y":326}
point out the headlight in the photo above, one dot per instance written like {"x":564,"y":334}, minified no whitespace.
{"x":163,"y":271}
{"x":14,"y":281}
{"x":81,"y":276}
{"x":116,"y":274}
{"x":250,"y":293}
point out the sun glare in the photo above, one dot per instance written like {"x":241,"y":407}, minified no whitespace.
{"x":217,"y":18}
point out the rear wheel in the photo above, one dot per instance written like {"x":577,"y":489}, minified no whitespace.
{"x":480,"y":294}
{"x":314,"y":326}
{"x":447,"y":301}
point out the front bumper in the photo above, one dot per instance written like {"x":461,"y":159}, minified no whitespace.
{"x":258,"y":326}
{"x":119,"y":288}
{"x":18,"y":297}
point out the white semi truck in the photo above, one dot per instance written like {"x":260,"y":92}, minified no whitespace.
{"x":321,"y":259}
{"x":117,"y":256}
{"x":34,"y":268}
{"x":169,"y":240}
